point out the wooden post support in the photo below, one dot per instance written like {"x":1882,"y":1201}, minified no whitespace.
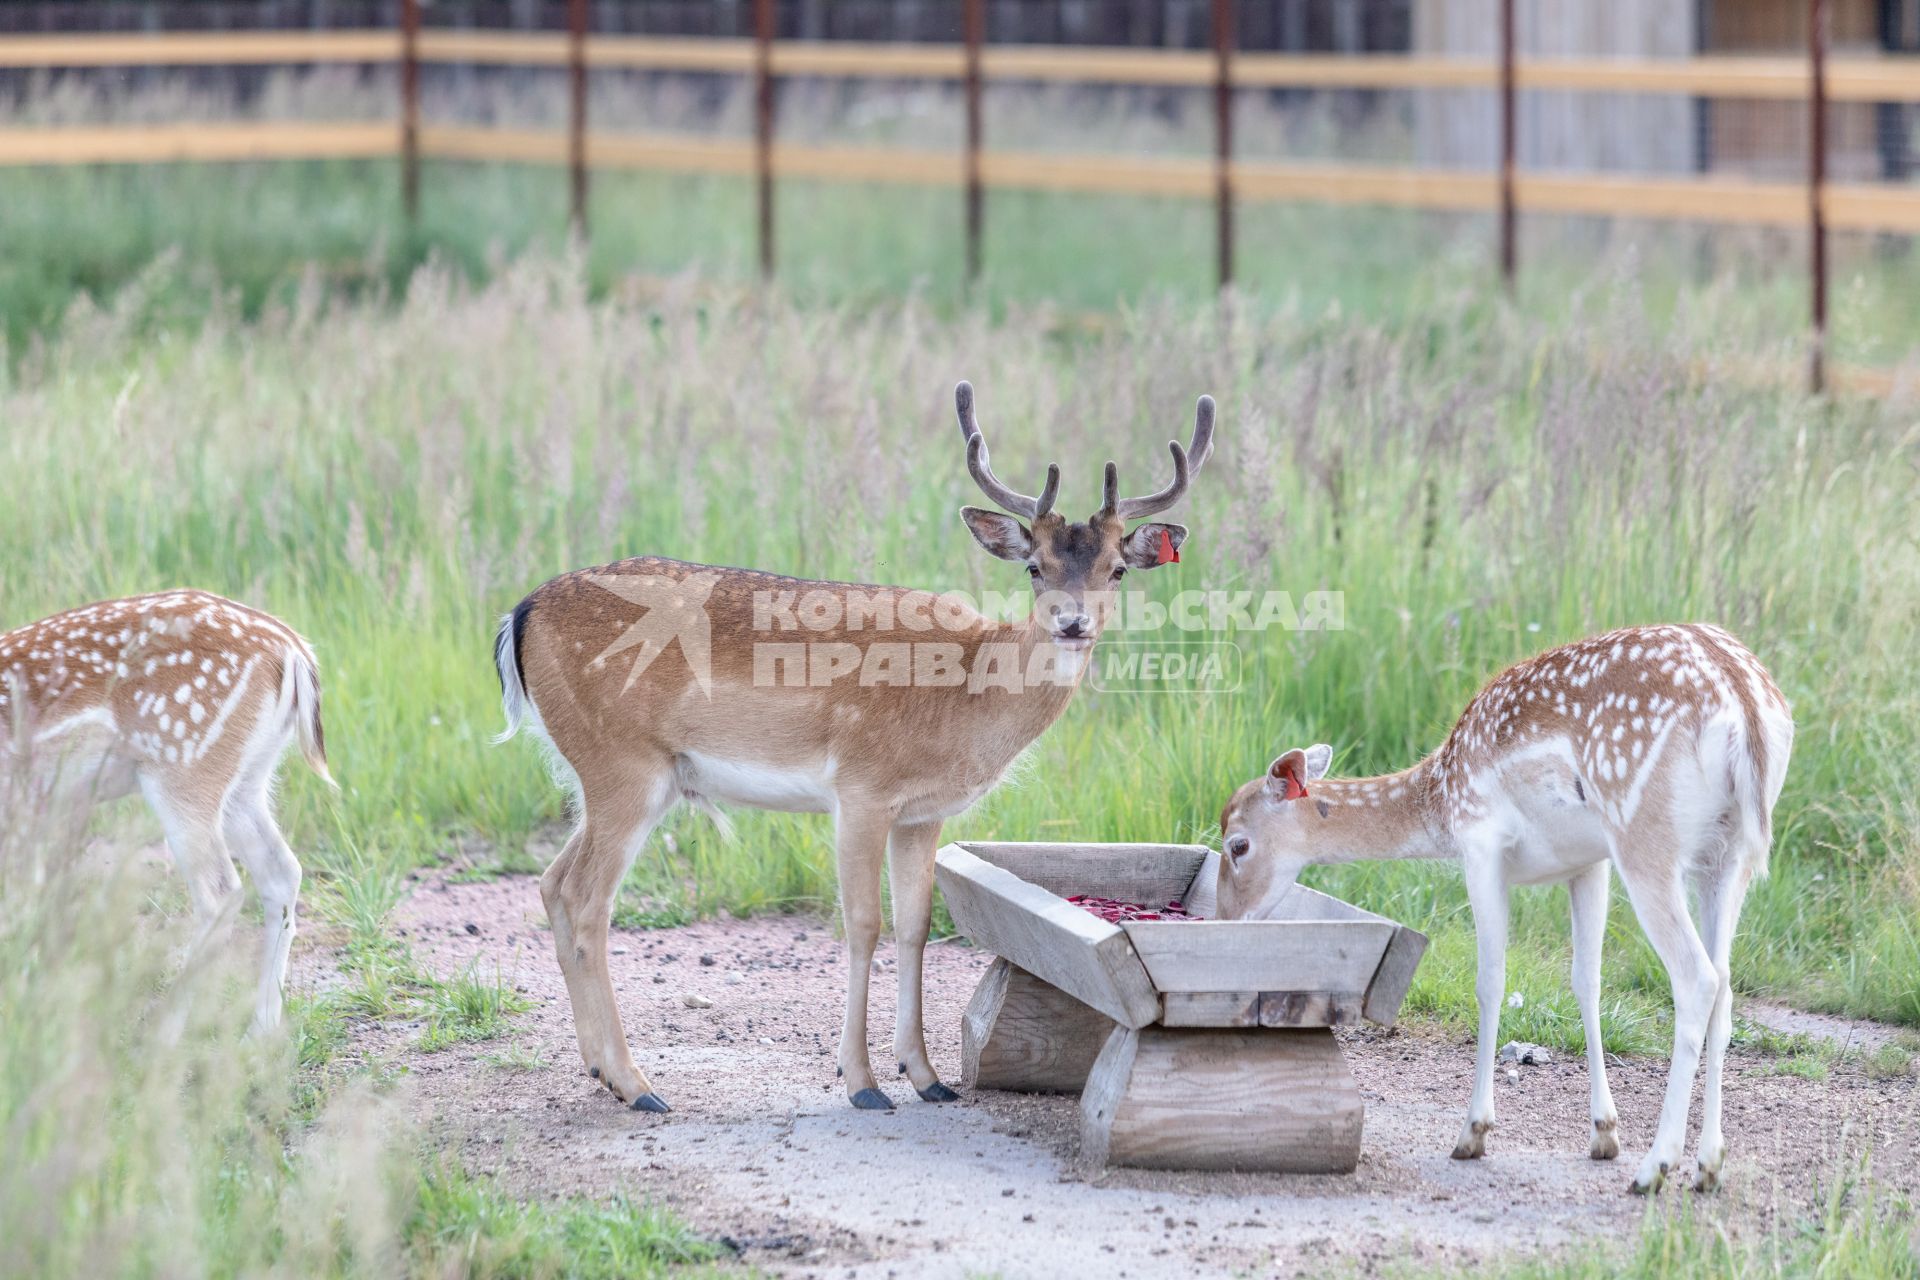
{"x":1817,"y":186}
{"x":1394,"y":978}
{"x":577,"y":115}
{"x":410,"y":110}
{"x":763,"y":126}
{"x":1223,"y":137}
{"x":1024,"y":1035}
{"x":974,"y":31}
{"x":1175,"y":1098}
{"x":1509,"y":150}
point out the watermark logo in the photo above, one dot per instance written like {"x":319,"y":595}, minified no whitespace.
{"x":676,"y":609}
{"x":1129,"y":664}
{"x":826,"y":637}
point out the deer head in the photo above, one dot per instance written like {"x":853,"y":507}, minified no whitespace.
{"x":1076,"y":567}
{"x":1265,"y":835}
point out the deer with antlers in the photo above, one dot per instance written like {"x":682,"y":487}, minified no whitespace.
{"x":190,"y":700}
{"x":1658,"y":751}
{"x":888,"y":708}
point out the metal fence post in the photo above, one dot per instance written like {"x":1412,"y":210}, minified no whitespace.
{"x":1817,"y":185}
{"x":1223,"y":136}
{"x":763,"y":126}
{"x":973,"y":20}
{"x":577,"y":113}
{"x":1509,"y":149}
{"x":410,"y":110}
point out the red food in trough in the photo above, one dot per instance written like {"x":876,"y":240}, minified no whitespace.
{"x":1114,"y":911}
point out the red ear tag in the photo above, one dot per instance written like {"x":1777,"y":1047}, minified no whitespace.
{"x":1295,"y":791}
{"x":1169,"y":554}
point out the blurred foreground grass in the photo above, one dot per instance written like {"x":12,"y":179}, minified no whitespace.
{"x":145,"y":1136}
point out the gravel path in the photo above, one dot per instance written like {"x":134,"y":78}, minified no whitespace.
{"x":762,"y":1150}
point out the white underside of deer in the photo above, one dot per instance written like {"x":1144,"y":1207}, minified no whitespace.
{"x":190,"y":700}
{"x":655,"y":682}
{"x":1657,"y":751}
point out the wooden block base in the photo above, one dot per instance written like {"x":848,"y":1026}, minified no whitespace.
{"x":1191,"y":1098}
{"x":1022,"y":1034}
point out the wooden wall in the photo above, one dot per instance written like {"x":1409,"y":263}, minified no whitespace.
{"x":1639,"y":133}
{"x":1769,"y":139}
{"x":1380,"y":26}
{"x":1645,"y":133}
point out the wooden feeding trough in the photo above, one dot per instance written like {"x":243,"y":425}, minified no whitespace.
{"x":1202,"y":1044}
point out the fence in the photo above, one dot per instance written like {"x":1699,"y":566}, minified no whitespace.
{"x":1815,"y":203}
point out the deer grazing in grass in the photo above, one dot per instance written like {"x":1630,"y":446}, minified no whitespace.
{"x":1657,"y":750}
{"x":190,"y":700}
{"x":890,"y":709}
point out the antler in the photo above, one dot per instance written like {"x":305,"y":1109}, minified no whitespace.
{"x":1186,"y":464}
{"x":978,"y":466}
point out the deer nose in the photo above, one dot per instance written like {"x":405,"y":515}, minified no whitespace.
{"x":1075,"y":627}
{"x":1238,"y":847}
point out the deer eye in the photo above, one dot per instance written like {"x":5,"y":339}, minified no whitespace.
{"x":1033,"y":571}
{"x":1120,"y":573}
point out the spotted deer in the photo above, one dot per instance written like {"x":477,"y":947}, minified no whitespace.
{"x":890,"y":709}
{"x":1659,"y":751}
{"x":190,"y":700}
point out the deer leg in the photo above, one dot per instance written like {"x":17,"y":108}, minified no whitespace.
{"x":1487,"y":892}
{"x":192,"y":826}
{"x":861,"y":843}
{"x":255,"y":839}
{"x":910,"y":867}
{"x":1721,"y":896}
{"x":578,"y":890}
{"x":1587,"y":902}
{"x":1660,"y":901}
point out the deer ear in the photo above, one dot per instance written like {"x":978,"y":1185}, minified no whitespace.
{"x":1287,"y":776}
{"x":1001,"y":535}
{"x":1153,"y":544}
{"x":1318,"y":757}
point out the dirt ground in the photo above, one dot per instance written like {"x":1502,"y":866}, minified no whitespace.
{"x":762,"y":1151}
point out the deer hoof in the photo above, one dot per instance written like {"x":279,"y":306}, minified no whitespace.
{"x":1648,"y":1183}
{"x":872,"y":1100}
{"x":1473,"y":1143}
{"x":1706,"y":1181}
{"x":1606,"y":1143}
{"x":937,"y":1092}
{"x":650,"y":1101}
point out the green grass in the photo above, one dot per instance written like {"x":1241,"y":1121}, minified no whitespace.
{"x":469,"y":1008}
{"x":517,"y":1058}
{"x":258,"y":239}
{"x":1890,"y":1061}
{"x":146,"y":1136}
{"x":636,"y":910}
{"x":381,"y":980}
{"x":1855,"y":1231}
{"x":1752,"y":1037}
{"x":1807,"y":1066}
{"x":471,"y":1227}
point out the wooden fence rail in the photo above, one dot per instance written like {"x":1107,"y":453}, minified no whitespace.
{"x":1848,"y":206}
{"x":1817,"y":203}
{"x":1892,"y":79}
